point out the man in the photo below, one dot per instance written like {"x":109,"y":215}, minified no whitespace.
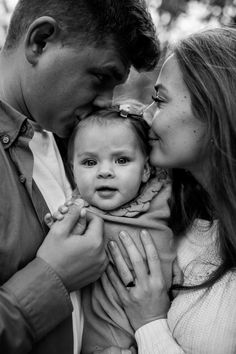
{"x":61,"y":60}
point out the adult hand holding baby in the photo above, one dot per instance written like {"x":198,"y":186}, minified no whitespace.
{"x":77,"y":260}
{"x":146,"y":300}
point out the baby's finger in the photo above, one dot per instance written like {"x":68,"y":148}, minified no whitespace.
{"x":122,"y":268}
{"x":68,"y":202}
{"x":58,"y":216}
{"x":48,"y":219}
{"x":63,"y":209}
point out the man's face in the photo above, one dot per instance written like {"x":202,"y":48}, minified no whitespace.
{"x":69,"y":82}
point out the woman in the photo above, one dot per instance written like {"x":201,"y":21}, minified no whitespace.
{"x":193,"y":132}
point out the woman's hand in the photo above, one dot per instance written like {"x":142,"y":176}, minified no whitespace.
{"x":115,"y":350}
{"x":145,"y":299}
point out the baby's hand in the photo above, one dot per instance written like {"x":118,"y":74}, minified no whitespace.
{"x":81,"y":225}
{"x":49,"y":218}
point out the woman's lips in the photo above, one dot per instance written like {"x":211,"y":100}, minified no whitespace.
{"x":153,"y":139}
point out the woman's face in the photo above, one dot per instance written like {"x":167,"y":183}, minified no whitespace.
{"x":177,"y":137}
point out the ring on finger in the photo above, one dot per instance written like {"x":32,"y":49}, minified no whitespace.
{"x":131,"y":284}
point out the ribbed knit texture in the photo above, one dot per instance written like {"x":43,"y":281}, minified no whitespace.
{"x":200,"y":321}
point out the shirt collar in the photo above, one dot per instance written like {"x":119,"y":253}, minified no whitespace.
{"x":12,"y":123}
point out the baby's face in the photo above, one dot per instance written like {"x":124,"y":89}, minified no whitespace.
{"x":109,"y":164}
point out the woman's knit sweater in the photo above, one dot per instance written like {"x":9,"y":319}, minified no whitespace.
{"x":199,"y":321}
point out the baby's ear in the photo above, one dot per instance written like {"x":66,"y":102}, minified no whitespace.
{"x":146,"y":172}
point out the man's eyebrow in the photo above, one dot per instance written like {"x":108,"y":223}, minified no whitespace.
{"x":158,"y":87}
{"x":111,"y":69}
{"x":117,"y":74}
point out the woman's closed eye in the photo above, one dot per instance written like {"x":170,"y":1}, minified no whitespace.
{"x":158,"y":99}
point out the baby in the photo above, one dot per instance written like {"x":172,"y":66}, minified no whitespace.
{"x":109,"y":153}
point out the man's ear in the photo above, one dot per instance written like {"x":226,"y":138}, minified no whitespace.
{"x":42,"y":31}
{"x":146,"y":172}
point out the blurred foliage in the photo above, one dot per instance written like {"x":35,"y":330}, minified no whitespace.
{"x":173,"y":20}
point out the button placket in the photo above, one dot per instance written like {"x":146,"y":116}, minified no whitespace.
{"x":22,"y":178}
{"x":23,"y":129}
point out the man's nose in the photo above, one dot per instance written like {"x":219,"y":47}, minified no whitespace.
{"x":103,"y":99}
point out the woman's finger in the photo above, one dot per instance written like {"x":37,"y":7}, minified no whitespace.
{"x":122,"y":268}
{"x":135,"y":256}
{"x":117,"y":284}
{"x":113,"y":350}
{"x":152,"y":258}
{"x":107,"y":285}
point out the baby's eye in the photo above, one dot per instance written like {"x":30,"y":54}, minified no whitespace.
{"x":122,"y":160}
{"x":89,"y":163}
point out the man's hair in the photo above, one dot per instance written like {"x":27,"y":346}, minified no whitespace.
{"x":126,"y":22}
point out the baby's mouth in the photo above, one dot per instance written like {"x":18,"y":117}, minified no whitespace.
{"x":106,"y":192}
{"x":106,"y":188}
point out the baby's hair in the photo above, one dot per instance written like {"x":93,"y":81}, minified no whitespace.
{"x":128,"y":112}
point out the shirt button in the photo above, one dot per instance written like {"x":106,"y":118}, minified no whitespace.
{"x":5,"y":139}
{"x":22,"y":178}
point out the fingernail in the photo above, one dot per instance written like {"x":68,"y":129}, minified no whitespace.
{"x":64,"y":208}
{"x":122,"y":235}
{"x":111,"y":245}
{"x":83,"y":212}
{"x":144,"y":233}
{"x":79,"y":202}
{"x":131,"y":284}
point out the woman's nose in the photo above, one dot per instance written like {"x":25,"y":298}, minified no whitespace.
{"x":149,"y":112}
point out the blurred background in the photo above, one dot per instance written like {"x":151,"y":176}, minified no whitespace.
{"x":173,"y":19}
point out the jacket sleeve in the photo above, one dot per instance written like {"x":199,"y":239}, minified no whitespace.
{"x":29,"y":303}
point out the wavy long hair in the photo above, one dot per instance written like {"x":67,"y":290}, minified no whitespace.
{"x":208,"y":63}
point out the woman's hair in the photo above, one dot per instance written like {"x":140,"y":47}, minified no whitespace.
{"x":208,"y":64}
{"x":130,"y":115}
